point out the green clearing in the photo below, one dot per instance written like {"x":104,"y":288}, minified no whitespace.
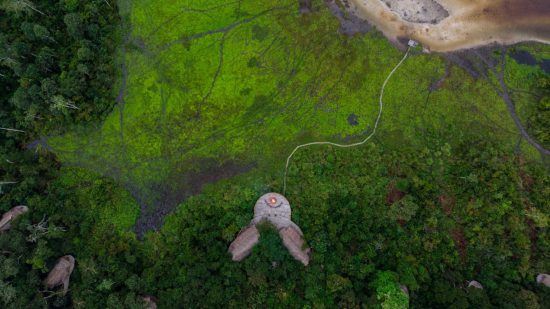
{"x":248,"y":81}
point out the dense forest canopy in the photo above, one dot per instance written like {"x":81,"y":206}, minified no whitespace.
{"x":447,"y":192}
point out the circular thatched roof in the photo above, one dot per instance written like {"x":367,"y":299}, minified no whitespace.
{"x":274,"y":208}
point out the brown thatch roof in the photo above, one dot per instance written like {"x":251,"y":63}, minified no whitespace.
{"x":475,"y":284}
{"x":61,"y":273}
{"x":294,"y":242}
{"x":405,"y":289}
{"x":8,"y":217}
{"x":242,"y":245}
{"x":544,"y":279}
{"x":150,"y":302}
{"x":275,"y":209}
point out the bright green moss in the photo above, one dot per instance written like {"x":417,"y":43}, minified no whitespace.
{"x":250,"y":80}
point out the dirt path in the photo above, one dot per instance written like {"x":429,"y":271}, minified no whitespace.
{"x":366,"y":139}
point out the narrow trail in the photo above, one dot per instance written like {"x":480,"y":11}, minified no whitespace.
{"x":380,"y":107}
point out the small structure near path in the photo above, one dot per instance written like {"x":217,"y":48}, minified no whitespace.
{"x":149,"y":301}
{"x":61,"y":273}
{"x":544,"y":279}
{"x":475,"y":284}
{"x":275,"y":209}
{"x":12,"y":214}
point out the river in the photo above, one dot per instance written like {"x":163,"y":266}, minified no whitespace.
{"x":449,"y":25}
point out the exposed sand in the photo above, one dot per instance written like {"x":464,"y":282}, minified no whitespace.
{"x":470,"y":23}
{"x":418,"y":11}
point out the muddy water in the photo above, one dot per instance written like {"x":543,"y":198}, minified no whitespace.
{"x":471,"y":23}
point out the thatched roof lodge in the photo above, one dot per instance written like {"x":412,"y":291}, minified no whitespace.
{"x":245,"y":241}
{"x":294,"y":242}
{"x":475,"y":284}
{"x":61,"y":273}
{"x":544,"y":279}
{"x":12,"y":214}
{"x":275,"y":209}
{"x":149,"y":301}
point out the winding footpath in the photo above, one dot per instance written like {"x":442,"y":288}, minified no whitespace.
{"x":380,"y":107}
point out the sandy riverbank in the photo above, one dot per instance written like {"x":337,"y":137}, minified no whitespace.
{"x":449,"y":25}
